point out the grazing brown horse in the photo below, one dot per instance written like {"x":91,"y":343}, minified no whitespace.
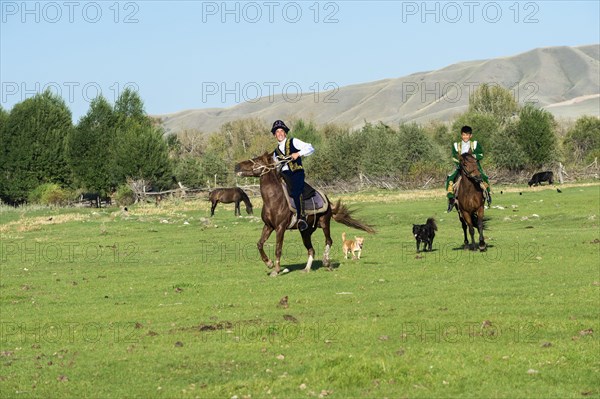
{"x":470,"y":200}
{"x":277,"y":216}
{"x":227,"y":196}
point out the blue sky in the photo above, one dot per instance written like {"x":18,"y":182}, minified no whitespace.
{"x":203,"y":54}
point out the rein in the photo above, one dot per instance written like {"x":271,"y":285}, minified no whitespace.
{"x":268,"y":168}
{"x":477,"y":179}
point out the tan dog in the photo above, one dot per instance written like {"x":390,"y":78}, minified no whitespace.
{"x":352,"y":246}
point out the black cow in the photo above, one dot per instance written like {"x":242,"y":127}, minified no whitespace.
{"x":540,"y":177}
{"x":95,"y":199}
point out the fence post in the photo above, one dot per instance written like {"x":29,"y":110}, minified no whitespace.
{"x":561,"y":170}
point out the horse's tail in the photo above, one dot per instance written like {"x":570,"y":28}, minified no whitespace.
{"x":431,"y":222}
{"x":343,"y":215}
{"x":246,"y":199}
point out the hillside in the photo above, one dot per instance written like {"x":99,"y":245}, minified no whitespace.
{"x":563,"y":80}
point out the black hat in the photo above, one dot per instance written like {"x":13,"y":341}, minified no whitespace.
{"x":279,"y":125}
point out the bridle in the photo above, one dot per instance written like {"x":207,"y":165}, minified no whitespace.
{"x":477,"y":179}
{"x":256,"y":166}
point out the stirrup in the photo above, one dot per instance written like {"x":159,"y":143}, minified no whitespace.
{"x":302,"y":225}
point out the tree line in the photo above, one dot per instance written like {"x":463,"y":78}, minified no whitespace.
{"x":46,"y":158}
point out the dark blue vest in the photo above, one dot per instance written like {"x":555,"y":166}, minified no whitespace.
{"x":289,"y":150}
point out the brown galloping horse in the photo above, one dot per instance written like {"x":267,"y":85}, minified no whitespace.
{"x":277,"y":216}
{"x":227,"y":196}
{"x":470,"y":200}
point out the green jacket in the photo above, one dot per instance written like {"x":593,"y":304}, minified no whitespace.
{"x":475,"y":149}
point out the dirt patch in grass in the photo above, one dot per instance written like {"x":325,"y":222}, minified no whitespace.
{"x":36,"y":223}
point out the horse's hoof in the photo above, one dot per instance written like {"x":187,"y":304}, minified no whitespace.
{"x":482,"y":248}
{"x":269,"y":264}
{"x":273,"y":274}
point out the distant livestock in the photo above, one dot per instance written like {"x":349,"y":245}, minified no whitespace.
{"x":95,"y":199}
{"x":227,"y":196}
{"x":540,"y":177}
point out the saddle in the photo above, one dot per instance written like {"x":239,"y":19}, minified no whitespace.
{"x":307,"y":193}
{"x":314,"y":200}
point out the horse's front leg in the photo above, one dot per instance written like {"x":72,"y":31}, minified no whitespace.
{"x":266,"y":232}
{"x":212,"y":208}
{"x":279,"y":233}
{"x":464,"y":227}
{"x":482,"y":245}
{"x":472,"y":233}
{"x":237,"y":209}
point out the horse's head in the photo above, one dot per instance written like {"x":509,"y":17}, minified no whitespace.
{"x":256,"y":166}
{"x":468,"y":164}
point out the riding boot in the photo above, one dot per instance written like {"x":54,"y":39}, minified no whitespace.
{"x":302,"y":225}
{"x":451,"y":202}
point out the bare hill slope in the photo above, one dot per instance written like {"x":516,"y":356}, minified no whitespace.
{"x":564,"y":80}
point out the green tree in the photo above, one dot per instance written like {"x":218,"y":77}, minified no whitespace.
{"x":141,"y":151}
{"x":213,"y":165}
{"x":90,"y":148}
{"x":379,"y":155}
{"x":33,"y":138}
{"x":493,"y":100}
{"x":507,"y":152}
{"x":414,"y":144}
{"x":345,"y":155}
{"x":485,"y":127}
{"x":129,"y":106}
{"x":307,"y":132}
{"x":3,"y":150}
{"x":3,"y":117}
{"x":535,"y":134}
{"x":189,"y":171}
{"x":583,"y":139}
{"x":328,"y":162}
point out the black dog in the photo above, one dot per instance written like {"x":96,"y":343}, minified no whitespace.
{"x":425,"y":233}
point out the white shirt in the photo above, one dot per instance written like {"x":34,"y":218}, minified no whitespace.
{"x":466,"y":146}
{"x":304,"y":149}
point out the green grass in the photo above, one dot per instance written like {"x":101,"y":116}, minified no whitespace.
{"x":99,"y":303}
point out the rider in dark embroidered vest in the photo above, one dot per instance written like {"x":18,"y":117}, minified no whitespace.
{"x":293,"y":171}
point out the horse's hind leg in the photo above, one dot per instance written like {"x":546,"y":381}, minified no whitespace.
{"x":325,"y":224}
{"x":308,"y":244}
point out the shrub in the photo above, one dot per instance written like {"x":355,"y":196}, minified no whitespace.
{"x":48,"y":194}
{"x":583,"y":139}
{"x":124,"y":195}
{"x":535,"y":135}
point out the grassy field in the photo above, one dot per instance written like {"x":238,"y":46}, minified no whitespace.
{"x":166,"y":302}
